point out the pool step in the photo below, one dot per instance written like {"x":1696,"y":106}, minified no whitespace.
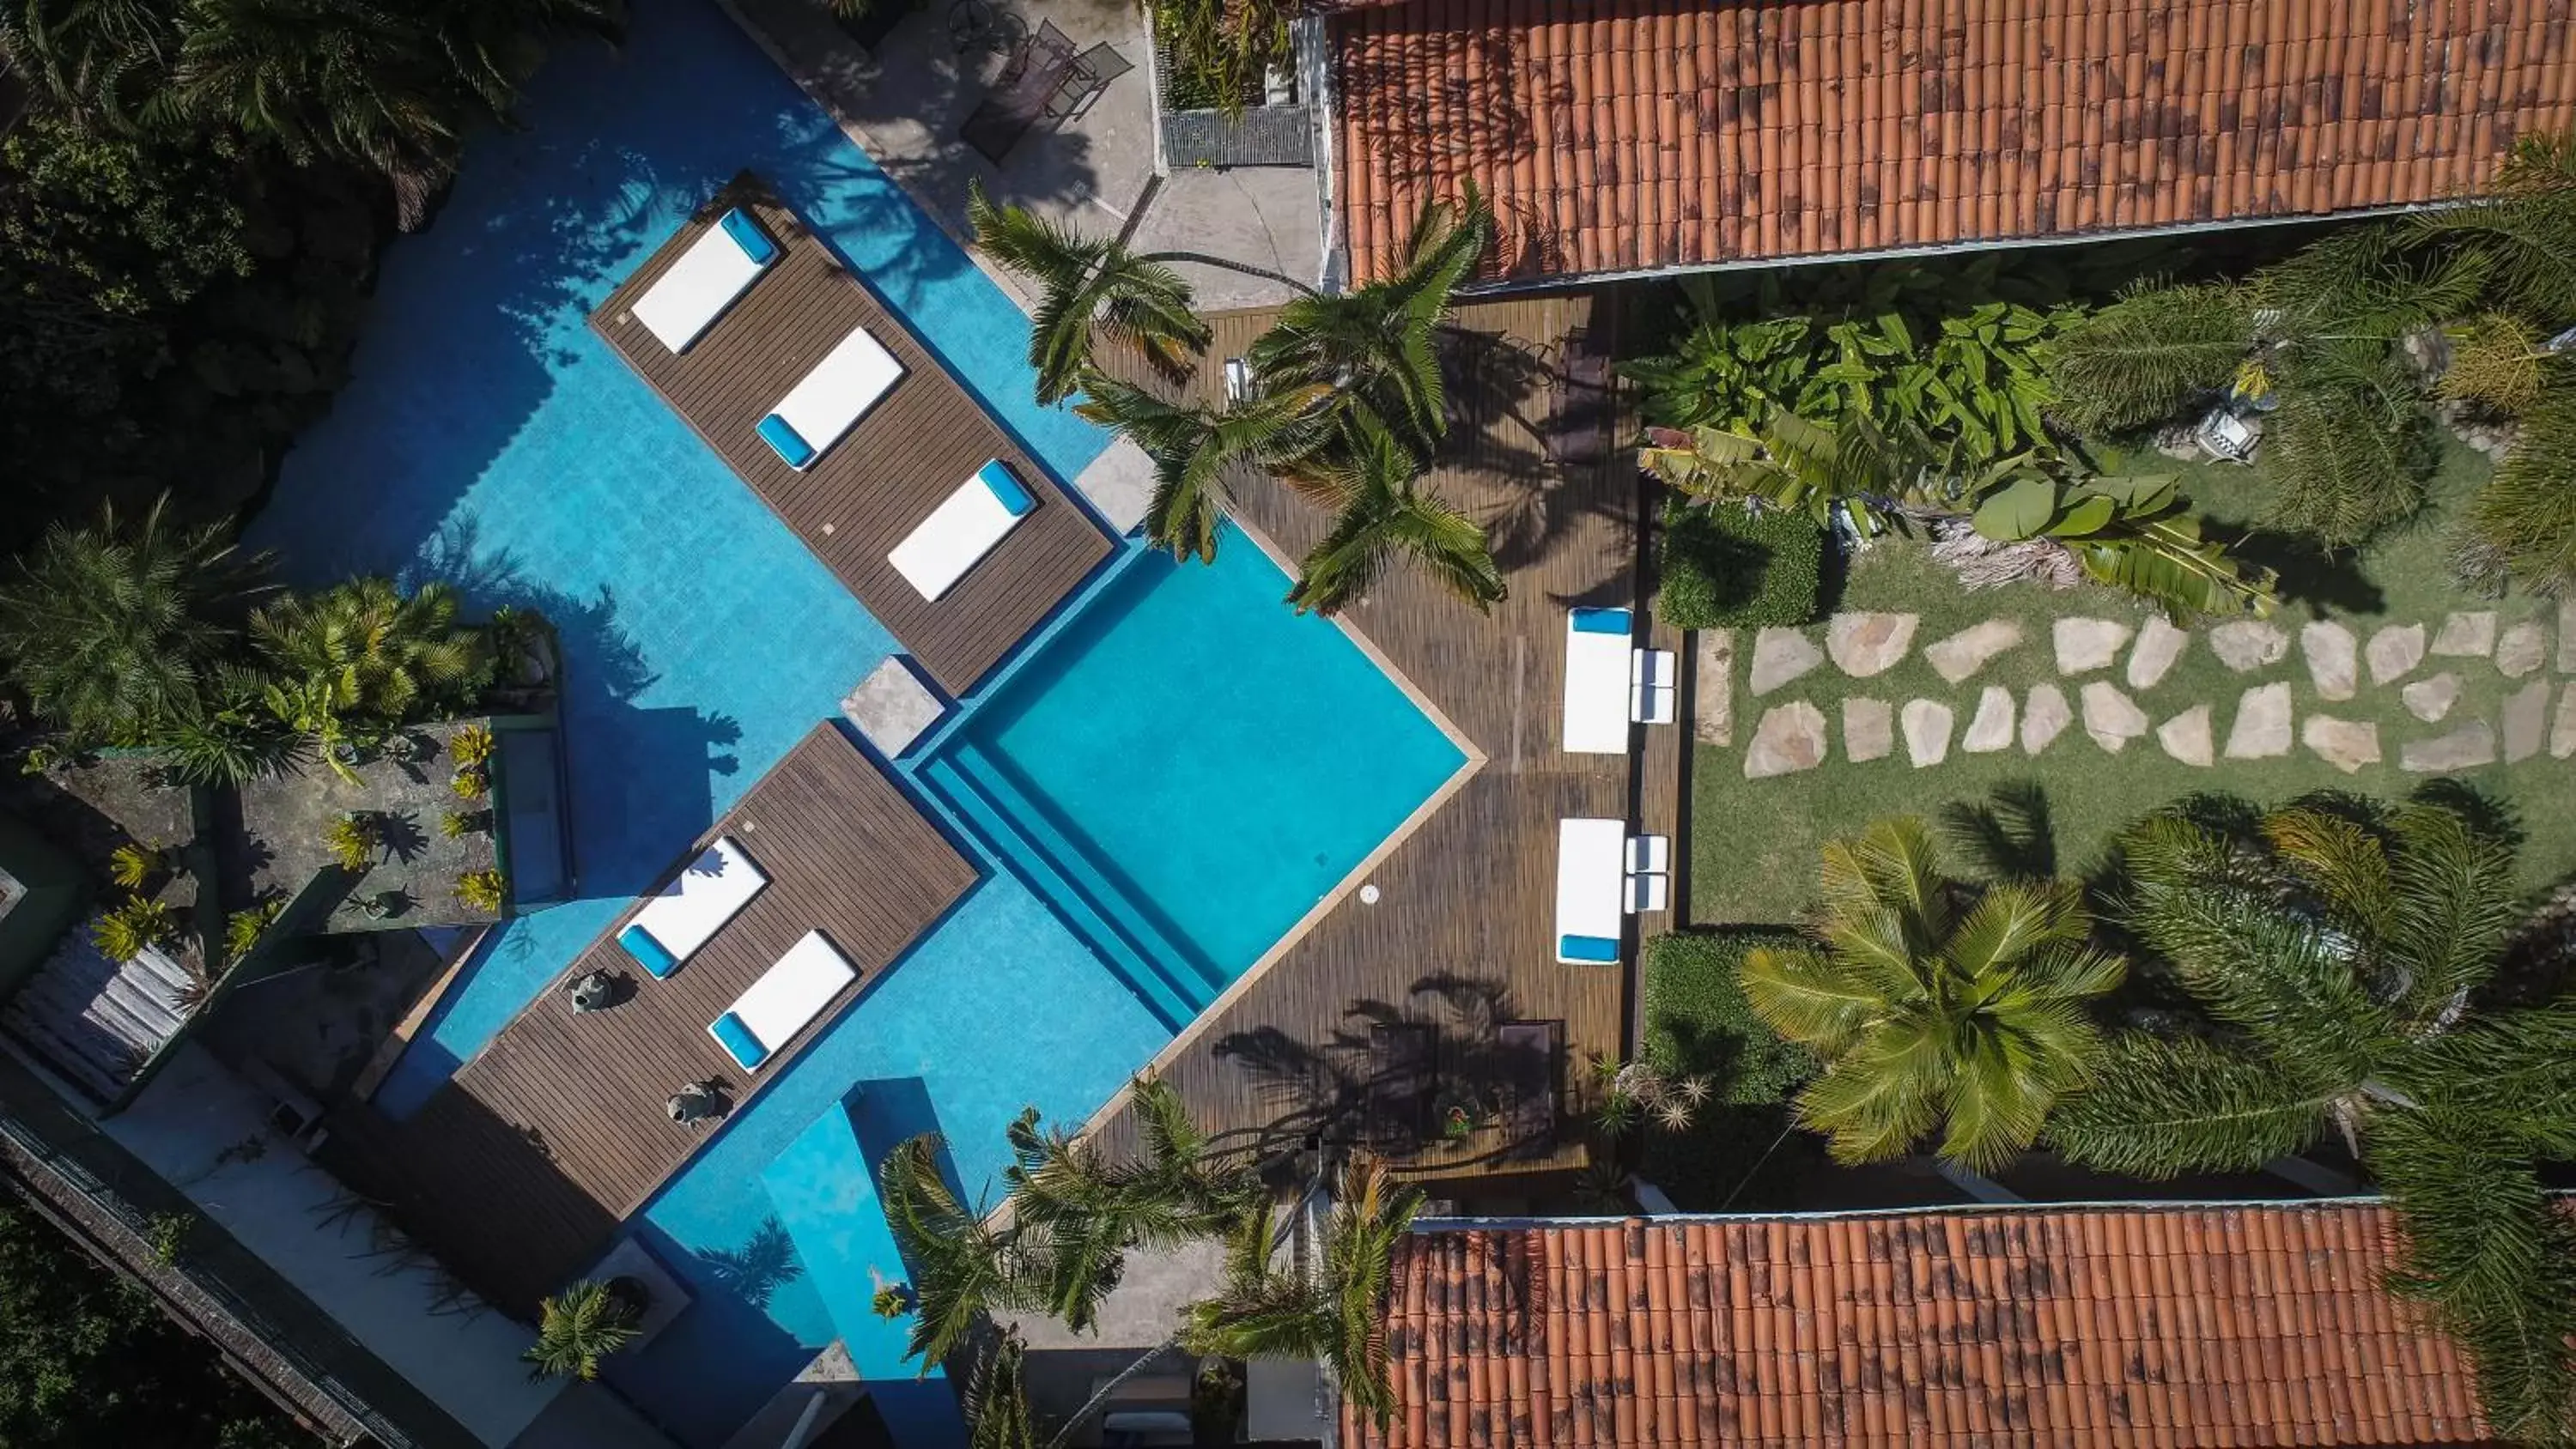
{"x":1019,"y":834}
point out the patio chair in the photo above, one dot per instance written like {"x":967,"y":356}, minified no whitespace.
{"x":1089,"y":79}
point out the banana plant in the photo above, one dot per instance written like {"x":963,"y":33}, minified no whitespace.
{"x":2131,"y":533}
{"x":1790,"y":462}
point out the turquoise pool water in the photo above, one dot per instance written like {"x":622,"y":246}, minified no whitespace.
{"x":1195,"y":765}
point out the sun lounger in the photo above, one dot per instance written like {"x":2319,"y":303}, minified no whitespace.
{"x":692,"y":908}
{"x":1650,"y":691}
{"x":1529,"y":1051}
{"x":1589,"y":855}
{"x":959,"y":532}
{"x":718,"y":267}
{"x":830,"y":400}
{"x":1596,"y":681}
{"x":786,"y":998}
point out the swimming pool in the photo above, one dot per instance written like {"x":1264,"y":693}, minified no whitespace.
{"x":1189,"y":766}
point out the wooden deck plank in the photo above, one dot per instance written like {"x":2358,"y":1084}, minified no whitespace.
{"x":519,"y":1168}
{"x":1461,"y":937}
{"x":867,"y":493}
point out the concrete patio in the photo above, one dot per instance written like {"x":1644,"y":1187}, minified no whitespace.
{"x":904,"y":105}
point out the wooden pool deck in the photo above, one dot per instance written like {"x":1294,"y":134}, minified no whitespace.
{"x":1461,"y":937}
{"x":869,"y":491}
{"x":519,"y":1170}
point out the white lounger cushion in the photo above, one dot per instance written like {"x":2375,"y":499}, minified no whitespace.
{"x":959,"y":532}
{"x":1590,"y":889}
{"x":700,"y":285}
{"x":837,"y":393}
{"x":710,"y":891}
{"x":1596,"y":681}
{"x":787,"y":997}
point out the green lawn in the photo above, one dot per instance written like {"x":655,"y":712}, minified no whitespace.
{"x":1754,"y":842}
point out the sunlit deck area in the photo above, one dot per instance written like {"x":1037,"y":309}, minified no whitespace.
{"x":518,"y":1171}
{"x":873,"y":487}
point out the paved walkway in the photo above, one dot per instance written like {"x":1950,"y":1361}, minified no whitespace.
{"x":2409,"y":677}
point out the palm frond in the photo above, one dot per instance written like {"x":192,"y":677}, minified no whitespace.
{"x":2159,"y":1107}
{"x":2141,"y":359}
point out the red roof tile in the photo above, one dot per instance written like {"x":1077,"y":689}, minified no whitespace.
{"x":1623,"y":135}
{"x":2152,"y":1325}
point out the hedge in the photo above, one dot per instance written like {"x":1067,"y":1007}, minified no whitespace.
{"x":1723,"y":566}
{"x":1699,"y":1024}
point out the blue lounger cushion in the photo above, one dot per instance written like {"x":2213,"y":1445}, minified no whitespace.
{"x":1587,"y":948}
{"x":1601,"y":621}
{"x":648,"y":953}
{"x":1015,"y":500}
{"x":783,"y":438}
{"x":746,"y":234}
{"x":737,"y":1039}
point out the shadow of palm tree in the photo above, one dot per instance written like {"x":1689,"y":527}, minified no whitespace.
{"x":765,"y":1263}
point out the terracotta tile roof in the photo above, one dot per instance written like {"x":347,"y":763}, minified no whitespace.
{"x":1619,"y":135}
{"x":2173,"y":1326}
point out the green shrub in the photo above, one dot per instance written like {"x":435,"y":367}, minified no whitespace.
{"x":1741,"y":1151}
{"x":1725,"y":567}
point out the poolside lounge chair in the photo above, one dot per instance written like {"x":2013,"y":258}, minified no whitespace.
{"x":1597,"y":681}
{"x":683,"y":915}
{"x":717,"y":267}
{"x":960,"y":531}
{"x":786,"y":998}
{"x":1588,"y":881}
{"x":830,"y":400}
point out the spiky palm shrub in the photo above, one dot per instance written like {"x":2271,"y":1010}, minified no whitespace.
{"x":997,"y":1399}
{"x":1382,"y":513}
{"x":1934,"y":1004}
{"x":116,"y":630}
{"x":2140,"y":359}
{"x":2335,"y":948}
{"x":2526,"y":227}
{"x":1335,"y":1314}
{"x":1375,"y":347}
{"x":1193,"y":445}
{"x":962,"y":1267}
{"x":2526,"y":515}
{"x":382,"y":655}
{"x":577,"y":1328}
{"x":138,"y":925}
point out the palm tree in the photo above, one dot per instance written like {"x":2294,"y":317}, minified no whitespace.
{"x":115,"y":631}
{"x":1376,"y":346}
{"x":382,"y":656}
{"x":1334,"y":1311}
{"x":1192,"y":444}
{"x":1382,"y":512}
{"x":577,"y":1328}
{"x":1934,"y":1003}
{"x":94,"y":60}
{"x":962,"y":1266}
{"x":2337,"y":948}
{"x":1088,"y":283}
{"x":997,"y":1399}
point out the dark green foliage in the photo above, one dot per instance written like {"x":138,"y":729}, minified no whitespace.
{"x":1725,"y":566}
{"x":87,"y":1361}
{"x":1699,"y":1024}
{"x":2139,"y":360}
{"x":1951,"y":353}
{"x":2526,"y":517}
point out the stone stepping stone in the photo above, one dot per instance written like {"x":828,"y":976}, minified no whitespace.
{"x":2346,"y":744}
{"x":2186,"y":736}
{"x":1869,"y":729}
{"x":2152,"y":657}
{"x":2467,"y":635}
{"x":2084,"y":645}
{"x":2110,"y":717}
{"x":2261,"y":730}
{"x":1713,"y":690}
{"x":2044,"y":716}
{"x":1927,"y":731}
{"x":2526,"y":721}
{"x":2393,"y":651}
{"x":2562,"y":736}
{"x":2567,"y":636}
{"x":1866,"y":644}
{"x":1781,"y":655}
{"x":1790,"y":738}
{"x":1971,"y":649}
{"x":1992,"y":727}
{"x":2334,"y":658}
{"x":2245,"y":645}
{"x":2430,"y":699}
{"x":2469,"y":746}
{"x":892,"y":707}
{"x":2522,"y":649}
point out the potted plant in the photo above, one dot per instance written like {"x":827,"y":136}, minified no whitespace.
{"x":583,"y":1324}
